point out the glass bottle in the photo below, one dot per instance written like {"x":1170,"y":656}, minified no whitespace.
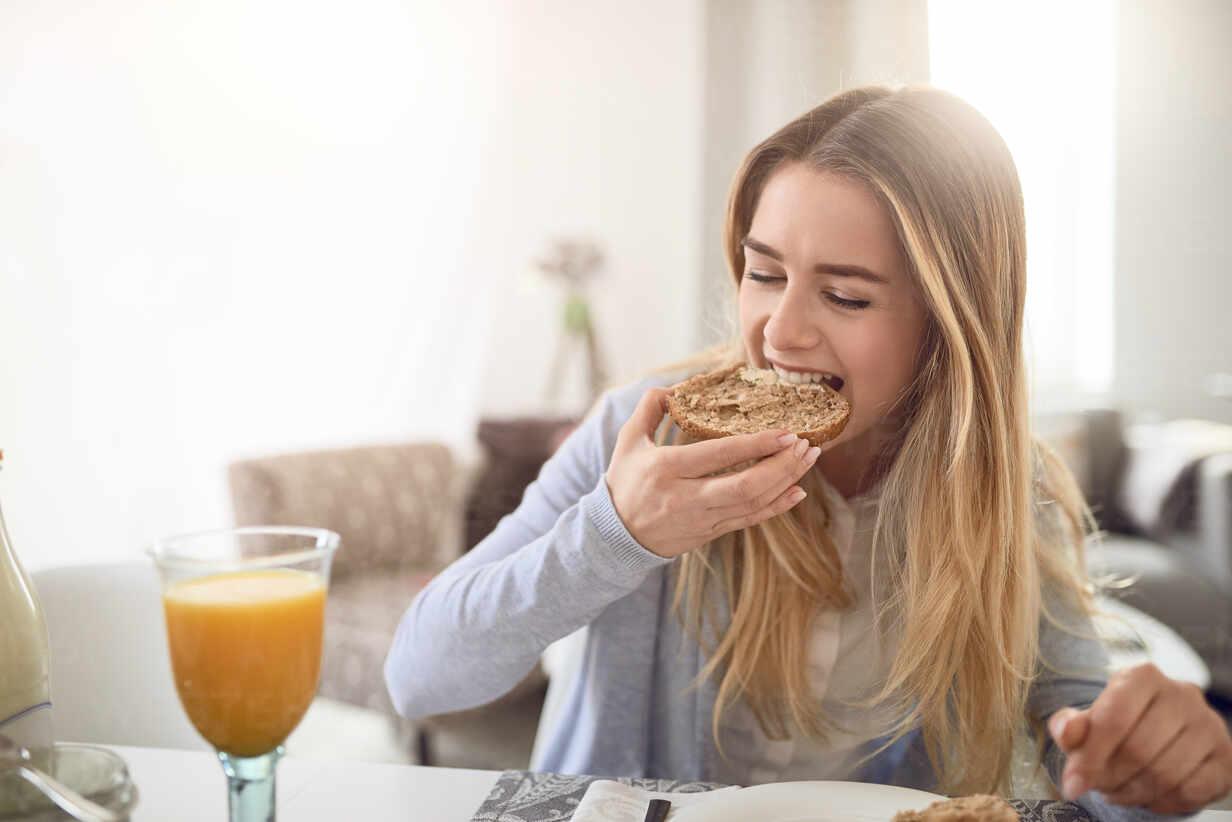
{"x":25,"y":697}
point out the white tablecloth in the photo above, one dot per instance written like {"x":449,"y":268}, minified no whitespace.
{"x":189,"y":786}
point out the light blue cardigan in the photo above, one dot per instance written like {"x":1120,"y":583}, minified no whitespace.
{"x":564,"y":560}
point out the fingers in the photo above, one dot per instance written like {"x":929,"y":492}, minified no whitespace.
{"x":699,"y":459}
{"x":1149,"y":747}
{"x":784,"y":502}
{"x":1208,"y":783}
{"x":756,"y":487}
{"x":1069,"y":727}
{"x":1115,"y":713}
{"x":1195,"y":734}
{"x":1162,"y":775}
{"x":642,"y":424}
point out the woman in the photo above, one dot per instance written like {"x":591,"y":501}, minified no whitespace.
{"x":896,"y":607}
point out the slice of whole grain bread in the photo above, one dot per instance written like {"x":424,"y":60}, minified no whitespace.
{"x":745,"y":400}
{"x":977,"y":808}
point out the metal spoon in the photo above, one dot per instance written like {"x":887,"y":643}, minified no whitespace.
{"x":13,"y":755}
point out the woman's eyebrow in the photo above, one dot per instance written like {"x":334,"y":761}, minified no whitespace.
{"x":836,"y":269}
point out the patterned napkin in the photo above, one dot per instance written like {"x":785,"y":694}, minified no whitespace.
{"x":528,"y":796}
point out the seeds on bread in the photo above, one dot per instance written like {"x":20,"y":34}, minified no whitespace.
{"x":977,"y":808}
{"x":744,"y":400}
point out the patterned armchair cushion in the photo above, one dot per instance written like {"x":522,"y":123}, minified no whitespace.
{"x":395,"y":506}
{"x":403,"y":512}
{"x":398,"y":509}
{"x":361,"y":618}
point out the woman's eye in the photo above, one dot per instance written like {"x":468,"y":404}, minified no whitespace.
{"x":762,"y":278}
{"x":843,"y":302}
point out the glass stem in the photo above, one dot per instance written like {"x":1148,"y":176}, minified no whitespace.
{"x":250,"y":785}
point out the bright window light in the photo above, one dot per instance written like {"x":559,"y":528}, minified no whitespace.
{"x":1043,"y":74}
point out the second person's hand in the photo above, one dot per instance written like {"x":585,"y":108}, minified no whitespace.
{"x":667,"y":498}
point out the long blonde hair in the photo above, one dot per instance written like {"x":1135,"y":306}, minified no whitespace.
{"x":963,"y":484}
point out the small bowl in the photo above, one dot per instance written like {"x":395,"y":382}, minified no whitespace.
{"x":96,"y":773}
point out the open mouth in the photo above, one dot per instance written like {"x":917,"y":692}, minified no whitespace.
{"x":809,"y":378}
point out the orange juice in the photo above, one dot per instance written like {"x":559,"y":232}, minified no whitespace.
{"x":246,"y":653}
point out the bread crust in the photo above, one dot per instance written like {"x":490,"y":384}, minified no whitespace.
{"x":743,"y":400}
{"x":976,"y":808}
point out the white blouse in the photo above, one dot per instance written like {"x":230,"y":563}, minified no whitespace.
{"x":848,"y":661}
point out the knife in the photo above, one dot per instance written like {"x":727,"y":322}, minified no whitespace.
{"x":657,"y":810}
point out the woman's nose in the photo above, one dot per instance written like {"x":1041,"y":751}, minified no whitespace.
{"x":790,"y":326}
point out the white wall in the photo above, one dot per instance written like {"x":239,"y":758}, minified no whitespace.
{"x":766,"y":63}
{"x":1174,"y":201}
{"x":606,"y":140}
{"x":236,"y":228}
{"x":226,"y":229}
{"x":1067,"y":173}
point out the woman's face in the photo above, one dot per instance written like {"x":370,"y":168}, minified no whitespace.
{"x":826,"y":290}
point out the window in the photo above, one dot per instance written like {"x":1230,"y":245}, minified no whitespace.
{"x":1043,"y":73}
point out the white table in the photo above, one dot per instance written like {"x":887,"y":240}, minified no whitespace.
{"x":189,"y":786}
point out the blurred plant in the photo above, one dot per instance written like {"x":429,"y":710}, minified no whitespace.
{"x":574,"y":262}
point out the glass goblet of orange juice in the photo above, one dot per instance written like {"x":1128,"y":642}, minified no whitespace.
{"x":245,"y":612}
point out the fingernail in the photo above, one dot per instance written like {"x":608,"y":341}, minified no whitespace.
{"x":812,"y":455}
{"x":801,"y":447}
{"x":1058,"y":728}
{"x":786,"y":440}
{"x":798,"y":495}
{"x":1073,"y":787}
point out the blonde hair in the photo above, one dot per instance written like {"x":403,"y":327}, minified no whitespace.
{"x":967,"y":495}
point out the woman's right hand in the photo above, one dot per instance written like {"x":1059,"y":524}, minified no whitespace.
{"x":666,"y":497}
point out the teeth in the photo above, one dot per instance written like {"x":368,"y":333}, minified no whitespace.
{"x":797,"y":378}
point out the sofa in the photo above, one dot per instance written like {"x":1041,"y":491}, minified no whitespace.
{"x":1178,"y":571}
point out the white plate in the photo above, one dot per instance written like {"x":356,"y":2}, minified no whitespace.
{"x":809,"y":802}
